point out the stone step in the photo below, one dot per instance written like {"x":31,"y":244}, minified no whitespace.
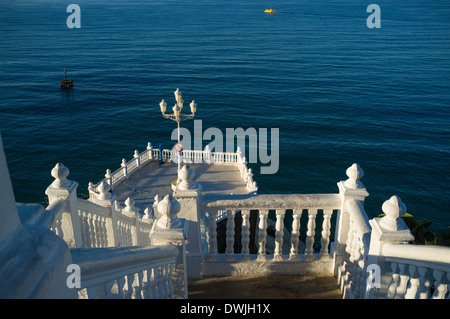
{"x":263,"y":287}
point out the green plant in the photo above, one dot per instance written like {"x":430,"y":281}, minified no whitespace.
{"x":419,"y":230}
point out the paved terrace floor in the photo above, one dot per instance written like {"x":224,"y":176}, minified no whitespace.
{"x":263,"y":287}
{"x":155,"y":178}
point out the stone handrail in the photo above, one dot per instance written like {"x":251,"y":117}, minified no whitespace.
{"x":139,"y":160}
{"x":113,"y":226}
{"x":294,"y":206}
{"x":86,"y":224}
{"x":130,"y":272}
{"x":351,"y":273}
{"x":413,"y":277}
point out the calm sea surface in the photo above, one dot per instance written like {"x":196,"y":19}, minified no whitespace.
{"x":338,"y":91}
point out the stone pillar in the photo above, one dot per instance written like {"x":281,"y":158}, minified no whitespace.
{"x":168,"y":229}
{"x":64,"y":189}
{"x":390,"y":229}
{"x":187,"y":193}
{"x":350,"y":189}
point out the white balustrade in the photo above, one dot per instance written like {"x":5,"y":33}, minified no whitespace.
{"x":139,"y":160}
{"x":288,"y":205}
{"x":126,"y":273}
{"x":415,"y":271}
{"x":413,"y":278}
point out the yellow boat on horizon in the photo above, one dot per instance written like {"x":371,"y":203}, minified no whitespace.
{"x":269,"y":11}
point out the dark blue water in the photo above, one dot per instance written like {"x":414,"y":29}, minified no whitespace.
{"x":338,"y":91}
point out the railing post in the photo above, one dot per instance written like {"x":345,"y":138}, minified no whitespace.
{"x":388,"y":229}
{"x":109,"y":179}
{"x":187,"y":193}
{"x":150,"y":150}
{"x":138,"y":159}
{"x":207,"y":155}
{"x":168,"y":229}
{"x":64,"y":189}
{"x":125,"y":168}
{"x":351,"y":189}
{"x":133,"y":212}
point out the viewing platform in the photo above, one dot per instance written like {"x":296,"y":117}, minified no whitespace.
{"x":156,"y":179}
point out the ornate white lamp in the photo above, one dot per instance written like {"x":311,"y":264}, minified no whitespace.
{"x":177,"y":116}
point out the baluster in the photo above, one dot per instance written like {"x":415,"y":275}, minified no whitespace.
{"x":279,"y":232}
{"x":414,"y":283}
{"x":138,"y":285}
{"x":121,"y":286}
{"x":146,"y":285}
{"x":212,"y":236}
{"x":326,"y":232}
{"x":83,"y":226}
{"x":128,"y":289}
{"x":169,"y":281}
{"x":404,"y":277}
{"x":356,"y":273}
{"x":153,"y":283}
{"x":58,"y":226}
{"x":245,"y":234}
{"x":361,"y":277}
{"x":296,"y":214}
{"x":162,"y":282}
{"x":104,"y":232}
{"x":229,"y":253}
{"x":424,"y":287}
{"x":343,"y":274}
{"x":91,"y":230}
{"x":262,"y":234}
{"x":392,"y":288}
{"x":310,"y":233}
{"x":440,"y":288}
{"x":97,"y":230}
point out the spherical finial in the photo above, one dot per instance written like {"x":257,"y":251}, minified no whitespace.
{"x":169,"y":207}
{"x":103,"y":189}
{"x":59,"y":173}
{"x":186,"y":175}
{"x":354,"y":173}
{"x":394,"y":209}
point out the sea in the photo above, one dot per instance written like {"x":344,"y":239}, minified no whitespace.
{"x":338,"y":91}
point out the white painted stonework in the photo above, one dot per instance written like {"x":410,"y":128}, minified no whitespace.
{"x":141,"y":236}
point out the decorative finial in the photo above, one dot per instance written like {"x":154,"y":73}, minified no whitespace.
{"x":59,"y":173}
{"x":394,"y":209}
{"x":169,"y":208}
{"x":354,"y":173}
{"x":186,"y":176}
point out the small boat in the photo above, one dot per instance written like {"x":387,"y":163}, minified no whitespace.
{"x":269,"y":11}
{"x":66,"y":84}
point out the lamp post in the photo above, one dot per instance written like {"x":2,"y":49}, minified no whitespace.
{"x":177,"y":116}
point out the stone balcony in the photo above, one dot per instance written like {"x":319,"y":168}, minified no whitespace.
{"x":155,"y":179}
